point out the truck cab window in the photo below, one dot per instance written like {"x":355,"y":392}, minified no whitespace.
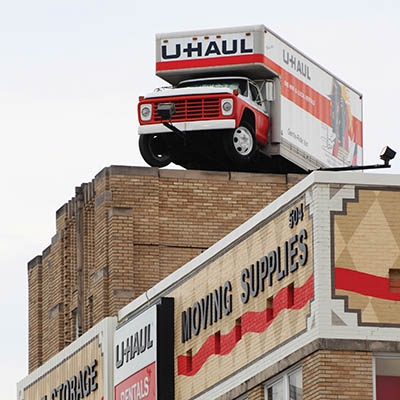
{"x":243,"y":88}
{"x":234,"y":84}
{"x":255,"y":94}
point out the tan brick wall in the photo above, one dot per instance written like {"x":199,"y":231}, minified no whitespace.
{"x":35,"y":312}
{"x":329,"y":375}
{"x":256,"y":394}
{"x":137,"y":226}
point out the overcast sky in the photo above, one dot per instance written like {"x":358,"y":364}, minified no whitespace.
{"x":70,"y":76}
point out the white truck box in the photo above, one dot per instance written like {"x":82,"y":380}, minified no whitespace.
{"x":316,"y":119}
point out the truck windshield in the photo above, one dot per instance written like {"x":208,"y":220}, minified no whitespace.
{"x":233,"y":84}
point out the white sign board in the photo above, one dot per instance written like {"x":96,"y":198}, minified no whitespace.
{"x":135,"y":348}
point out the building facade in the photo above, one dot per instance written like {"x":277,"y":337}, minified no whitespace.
{"x":125,"y":231}
{"x":83,"y":370}
{"x":300,"y":302}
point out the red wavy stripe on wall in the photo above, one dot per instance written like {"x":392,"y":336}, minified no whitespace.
{"x":365,"y":284}
{"x":255,"y":322}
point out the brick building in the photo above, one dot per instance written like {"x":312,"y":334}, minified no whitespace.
{"x":300,"y":302}
{"x":125,"y":231}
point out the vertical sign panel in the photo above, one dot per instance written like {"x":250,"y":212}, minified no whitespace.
{"x":142,"y":347}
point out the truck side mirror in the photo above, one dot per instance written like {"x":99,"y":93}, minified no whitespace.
{"x":269,"y":91}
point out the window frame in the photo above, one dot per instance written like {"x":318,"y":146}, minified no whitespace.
{"x":284,"y":377}
{"x":388,"y":356}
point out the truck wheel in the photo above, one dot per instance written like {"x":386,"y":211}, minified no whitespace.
{"x":154,"y":151}
{"x":240,"y":144}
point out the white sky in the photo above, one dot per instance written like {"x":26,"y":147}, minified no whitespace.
{"x":70,"y":76}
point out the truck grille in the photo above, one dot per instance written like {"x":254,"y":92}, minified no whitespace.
{"x":192,"y":109}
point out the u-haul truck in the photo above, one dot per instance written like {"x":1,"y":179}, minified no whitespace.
{"x":244,"y":99}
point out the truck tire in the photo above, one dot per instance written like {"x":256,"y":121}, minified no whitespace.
{"x":240,"y":144}
{"x":154,"y":150}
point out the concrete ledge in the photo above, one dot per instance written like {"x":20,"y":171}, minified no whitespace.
{"x":120,"y":212}
{"x":58,"y":236}
{"x":295,"y":178}
{"x":35,"y":262}
{"x":127,"y":170}
{"x":371,"y":346}
{"x":124,"y":293}
{"x":198,"y":174}
{"x":106,"y":195}
{"x":46,"y":251}
{"x":258,"y":177}
{"x":100,"y":274}
{"x":193,"y":174}
{"x":102,"y":174}
{"x":54,"y":311}
{"x":61,"y":211}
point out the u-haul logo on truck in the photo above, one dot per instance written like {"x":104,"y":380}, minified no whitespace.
{"x":190,"y":48}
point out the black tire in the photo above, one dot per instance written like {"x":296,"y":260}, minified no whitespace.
{"x":154,"y":150}
{"x":240,"y":144}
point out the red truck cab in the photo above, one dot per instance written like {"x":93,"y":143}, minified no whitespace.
{"x":202,"y":123}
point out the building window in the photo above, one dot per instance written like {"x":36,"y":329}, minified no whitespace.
{"x":275,"y":391}
{"x":75,"y":325}
{"x":387,"y":378}
{"x":288,"y":386}
{"x":90,"y":311}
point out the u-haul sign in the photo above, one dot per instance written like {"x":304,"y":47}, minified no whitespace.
{"x":135,"y":358}
{"x":206,"y":47}
{"x":141,"y":350}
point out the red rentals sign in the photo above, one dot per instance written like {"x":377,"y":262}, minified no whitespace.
{"x":139,"y":386}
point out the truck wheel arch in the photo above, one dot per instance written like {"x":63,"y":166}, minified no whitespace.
{"x":240,"y":143}
{"x":154,"y":151}
{"x":249,"y":118}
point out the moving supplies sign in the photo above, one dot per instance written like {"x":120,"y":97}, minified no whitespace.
{"x":140,"y":351}
{"x":246,"y":302}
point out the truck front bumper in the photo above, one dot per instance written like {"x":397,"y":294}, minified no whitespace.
{"x":190,"y":126}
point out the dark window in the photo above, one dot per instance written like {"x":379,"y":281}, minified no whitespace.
{"x":387,"y":378}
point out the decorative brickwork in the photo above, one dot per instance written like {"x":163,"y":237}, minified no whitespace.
{"x":125,"y":231}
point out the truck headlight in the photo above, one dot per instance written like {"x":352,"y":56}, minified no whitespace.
{"x":227,"y":106}
{"x":145,"y":112}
